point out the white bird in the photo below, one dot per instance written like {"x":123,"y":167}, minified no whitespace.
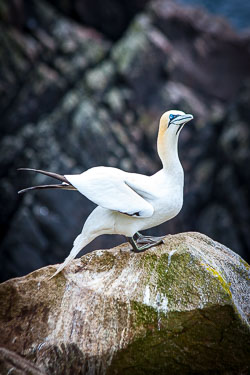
{"x":129,"y":202}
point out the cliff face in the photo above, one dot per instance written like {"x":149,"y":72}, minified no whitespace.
{"x":72,"y":99}
{"x":182,"y":307}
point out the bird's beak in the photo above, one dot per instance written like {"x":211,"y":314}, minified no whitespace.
{"x":182,"y":119}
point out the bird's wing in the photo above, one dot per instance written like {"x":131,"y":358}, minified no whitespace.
{"x":141,"y":186}
{"x":107,"y":188}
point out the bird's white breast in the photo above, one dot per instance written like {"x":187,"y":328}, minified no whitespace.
{"x":167,"y":203}
{"x":169,"y":197}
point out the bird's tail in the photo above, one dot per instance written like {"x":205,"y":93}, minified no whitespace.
{"x":80,"y":242}
{"x":65,"y":184}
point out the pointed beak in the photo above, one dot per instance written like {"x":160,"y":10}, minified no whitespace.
{"x":183,"y":119}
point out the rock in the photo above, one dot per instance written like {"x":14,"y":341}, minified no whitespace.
{"x":111,"y":17}
{"x":181,"y":307}
{"x":212,"y":42}
{"x":11,"y":363}
{"x":13,"y":12}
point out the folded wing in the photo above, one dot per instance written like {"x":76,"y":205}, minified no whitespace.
{"x":107,"y":188}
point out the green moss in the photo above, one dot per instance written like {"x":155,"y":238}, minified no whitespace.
{"x":208,"y":333}
{"x":148,"y":262}
{"x":182,"y":280}
{"x":135,"y":43}
{"x":143,"y":315}
{"x":99,"y":262}
{"x":224,"y":284}
{"x":245,"y":264}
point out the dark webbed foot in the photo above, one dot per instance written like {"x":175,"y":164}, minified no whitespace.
{"x":140,"y":239}
{"x":148,"y":242}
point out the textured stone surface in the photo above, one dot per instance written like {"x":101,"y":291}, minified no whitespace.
{"x":66,"y":92}
{"x":12,"y":363}
{"x":182,"y":307}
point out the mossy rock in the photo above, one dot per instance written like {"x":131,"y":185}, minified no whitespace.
{"x":179,"y":308}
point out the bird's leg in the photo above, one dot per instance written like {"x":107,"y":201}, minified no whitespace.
{"x":148,"y":245}
{"x":133,"y":243}
{"x":137,"y":235}
{"x":140,"y":239}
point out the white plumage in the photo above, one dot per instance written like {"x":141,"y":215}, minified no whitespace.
{"x":131,"y":202}
{"x":110,"y":188}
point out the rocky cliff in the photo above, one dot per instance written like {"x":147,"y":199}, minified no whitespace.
{"x":179,"y":308}
{"x":73,"y":97}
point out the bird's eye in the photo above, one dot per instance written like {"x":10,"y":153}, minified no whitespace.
{"x":171,"y":117}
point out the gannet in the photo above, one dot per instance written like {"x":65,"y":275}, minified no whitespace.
{"x":128,"y":203}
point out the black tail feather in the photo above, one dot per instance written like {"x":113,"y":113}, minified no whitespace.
{"x":55,"y":186}
{"x":50,"y":174}
{"x":66,"y":185}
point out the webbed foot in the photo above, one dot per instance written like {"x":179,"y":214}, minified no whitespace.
{"x":140,"y":239}
{"x":146,"y":241}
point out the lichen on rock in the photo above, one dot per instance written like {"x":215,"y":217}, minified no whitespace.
{"x":181,"y":307}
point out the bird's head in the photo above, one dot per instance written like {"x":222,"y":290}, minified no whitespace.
{"x":173,"y":121}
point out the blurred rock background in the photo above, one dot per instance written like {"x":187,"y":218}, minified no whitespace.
{"x":83,"y":83}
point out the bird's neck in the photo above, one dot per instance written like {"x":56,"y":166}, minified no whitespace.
{"x":167,"y":146}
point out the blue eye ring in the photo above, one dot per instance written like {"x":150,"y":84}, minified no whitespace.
{"x":171,"y":117}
